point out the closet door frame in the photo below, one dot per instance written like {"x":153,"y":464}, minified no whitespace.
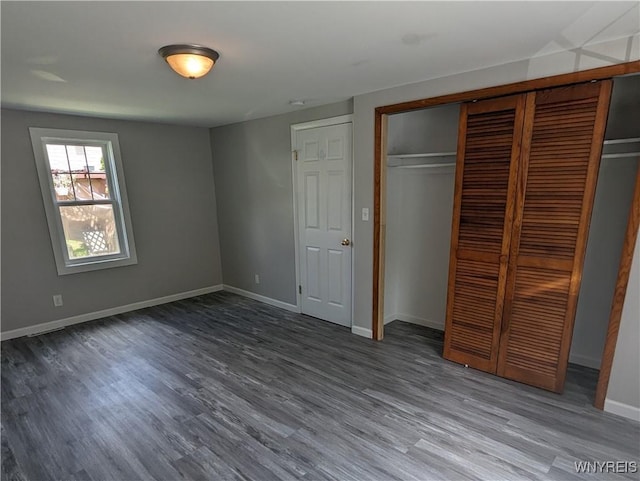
{"x":379,"y":184}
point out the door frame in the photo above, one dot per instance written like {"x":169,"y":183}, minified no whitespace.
{"x":380,"y":195}
{"x":295,"y":128}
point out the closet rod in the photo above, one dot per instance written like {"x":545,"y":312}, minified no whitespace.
{"x":421,"y":166}
{"x":425,"y":154}
{"x":620,"y":155}
{"x":622,"y":141}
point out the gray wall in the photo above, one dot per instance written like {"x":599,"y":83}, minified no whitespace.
{"x":173,"y":210}
{"x":254,"y":191}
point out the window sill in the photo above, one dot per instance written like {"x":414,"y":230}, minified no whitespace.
{"x":95,"y":265}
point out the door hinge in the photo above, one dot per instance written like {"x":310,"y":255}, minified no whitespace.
{"x":299,"y":289}
{"x":295,"y":154}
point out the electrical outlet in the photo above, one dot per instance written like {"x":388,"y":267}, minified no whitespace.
{"x":57,"y":300}
{"x":365,"y":214}
{"x":257,"y":279}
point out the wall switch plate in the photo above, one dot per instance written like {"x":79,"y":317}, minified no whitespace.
{"x":257,"y":278}
{"x":365,"y":213}
{"x":57,"y":300}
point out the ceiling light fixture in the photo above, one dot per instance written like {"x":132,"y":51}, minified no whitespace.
{"x":190,"y":61}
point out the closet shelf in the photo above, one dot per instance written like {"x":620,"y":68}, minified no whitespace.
{"x":421,"y":155}
{"x":422,"y":166}
{"x":620,"y":148}
{"x":621,"y":155}
{"x":412,"y":161}
{"x":630,"y":140}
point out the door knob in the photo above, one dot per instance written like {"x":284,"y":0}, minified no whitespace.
{"x":345,"y":242}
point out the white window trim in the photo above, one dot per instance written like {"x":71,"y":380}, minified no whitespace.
{"x":115,"y":174}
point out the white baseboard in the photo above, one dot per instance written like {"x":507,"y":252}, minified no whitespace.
{"x":91,"y":316}
{"x":258,"y":297}
{"x":621,"y":409}
{"x":586,"y":361}
{"x":416,"y":320}
{"x":390,"y":318}
{"x":361,"y":331}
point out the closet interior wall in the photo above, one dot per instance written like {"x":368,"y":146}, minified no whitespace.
{"x":614,"y":192}
{"x":419,"y":214}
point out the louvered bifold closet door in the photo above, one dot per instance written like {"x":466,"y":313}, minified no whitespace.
{"x":561,"y":148}
{"x":488,"y":149}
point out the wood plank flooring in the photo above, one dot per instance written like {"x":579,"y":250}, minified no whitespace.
{"x":220,"y":387}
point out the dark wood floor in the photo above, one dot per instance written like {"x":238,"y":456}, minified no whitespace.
{"x":221,"y":387}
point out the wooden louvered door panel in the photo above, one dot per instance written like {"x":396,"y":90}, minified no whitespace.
{"x":561,"y":148}
{"x":488,"y":150}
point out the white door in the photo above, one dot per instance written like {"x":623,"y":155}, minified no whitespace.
{"x":323,"y":175}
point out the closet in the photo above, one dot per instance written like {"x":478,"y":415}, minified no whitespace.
{"x":504,"y":225}
{"x":526,"y":174}
{"x":421,"y":158}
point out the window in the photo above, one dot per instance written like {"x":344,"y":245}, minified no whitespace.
{"x":84,"y":198}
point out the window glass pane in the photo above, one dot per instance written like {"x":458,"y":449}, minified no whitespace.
{"x":95,"y":160}
{"x":77,"y":160}
{"x":63,"y":186}
{"x":97,"y":172}
{"x":100,"y":186}
{"x":89,"y":230}
{"x":57,"y":155}
{"x":82,"y":186}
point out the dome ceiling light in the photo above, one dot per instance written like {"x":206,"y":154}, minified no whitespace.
{"x":190,"y":61}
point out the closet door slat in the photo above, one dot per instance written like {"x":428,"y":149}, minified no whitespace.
{"x":489,"y":137}
{"x":561,"y":148}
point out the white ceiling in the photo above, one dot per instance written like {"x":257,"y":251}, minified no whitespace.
{"x":100,"y":58}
